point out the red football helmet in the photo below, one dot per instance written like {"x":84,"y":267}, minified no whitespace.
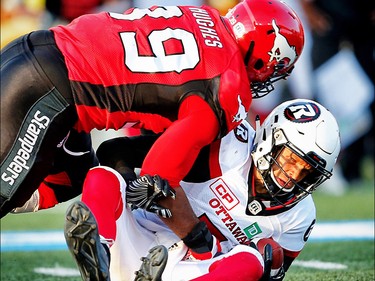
{"x":271,"y":38}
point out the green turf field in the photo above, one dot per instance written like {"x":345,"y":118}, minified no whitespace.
{"x":328,"y":261}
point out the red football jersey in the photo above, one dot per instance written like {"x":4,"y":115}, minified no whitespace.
{"x":137,"y":67}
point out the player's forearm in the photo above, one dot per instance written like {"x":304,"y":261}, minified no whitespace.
{"x":183,"y":218}
{"x":175,"y":151}
{"x":175,"y":210}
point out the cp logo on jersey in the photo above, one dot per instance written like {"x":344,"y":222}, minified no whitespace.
{"x":224,"y":194}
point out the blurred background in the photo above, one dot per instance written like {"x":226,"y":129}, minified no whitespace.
{"x":336,"y":69}
{"x":22,"y":16}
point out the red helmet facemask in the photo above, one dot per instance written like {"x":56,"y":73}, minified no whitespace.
{"x":270,"y":37}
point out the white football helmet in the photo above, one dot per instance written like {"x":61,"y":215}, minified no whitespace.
{"x":311,"y":133}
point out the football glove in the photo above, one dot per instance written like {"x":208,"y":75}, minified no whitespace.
{"x":267,"y":257}
{"x":202,"y":244}
{"x":270,"y":274}
{"x":146,"y":190}
{"x":277,"y":274}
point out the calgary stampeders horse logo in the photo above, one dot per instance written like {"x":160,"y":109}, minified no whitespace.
{"x":281,"y":49}
{"x":241,"y":112}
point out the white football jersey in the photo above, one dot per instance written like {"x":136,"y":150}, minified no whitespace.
{"x":222,"y":201}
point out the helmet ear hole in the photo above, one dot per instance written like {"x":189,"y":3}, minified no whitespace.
{"x":249,"y":52}
{"x":258,"y":64}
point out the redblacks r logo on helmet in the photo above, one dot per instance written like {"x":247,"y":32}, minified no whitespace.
{"x":281,"y":49}
{"x":301,"y":112}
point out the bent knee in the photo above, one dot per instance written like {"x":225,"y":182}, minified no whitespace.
{"x":101,"y":181}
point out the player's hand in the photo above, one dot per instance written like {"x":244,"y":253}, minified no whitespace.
{"x":277,"y":274}
{"x":273,"y":255}
{"x":146,"y":190}
{"x":208,"y":254}
{"x":202,"y":244}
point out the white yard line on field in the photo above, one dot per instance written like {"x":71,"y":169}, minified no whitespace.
{"x":319,"y":264}
{"x":339,"y":231}
{"x":54,"y":240}
{"x":57,"y":271}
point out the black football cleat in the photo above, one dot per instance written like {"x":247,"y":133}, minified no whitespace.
{"x":153,"y":265}
{"x":82,"y":238}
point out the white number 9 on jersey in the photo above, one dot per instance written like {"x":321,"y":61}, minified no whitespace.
{"x":160,"y":60}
